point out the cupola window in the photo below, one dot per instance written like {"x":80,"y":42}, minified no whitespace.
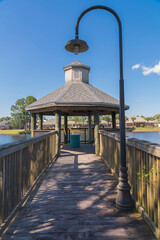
{"x":76,"y":74}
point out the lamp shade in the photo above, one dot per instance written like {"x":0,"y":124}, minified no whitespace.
{"x":76,"y":46}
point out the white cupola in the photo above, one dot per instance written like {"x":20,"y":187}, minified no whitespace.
{"x":76,"y":72}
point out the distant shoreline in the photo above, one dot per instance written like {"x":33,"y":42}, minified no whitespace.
{"x":13,"y":132}
{"x":22,"y":131}
{"x":146,"y":129}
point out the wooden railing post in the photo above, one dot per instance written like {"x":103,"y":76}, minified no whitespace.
{"x":113,"y":120}
{"x":89,"y":129}
{"x":85,"y":135}
{"x":58,"y":129}
{"x":33,"y":123}
{"x":96,"y":132}
{"x":40,"y":121}
{"x":65,"y":129}
{"x":69,"y":134}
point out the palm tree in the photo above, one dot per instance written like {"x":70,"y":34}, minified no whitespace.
{"x":133,"y":118}
{"x":108,"y":119}
{"x":157,"y":117}
{"x":148,"y":119}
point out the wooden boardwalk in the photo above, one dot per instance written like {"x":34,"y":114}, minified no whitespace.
{"x":76,"y":200}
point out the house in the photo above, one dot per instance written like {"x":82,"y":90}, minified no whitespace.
{"x":5,"y":125}
{"x":138,"y":122}
{"x":154,"y":123}
{"x":50,"y":123}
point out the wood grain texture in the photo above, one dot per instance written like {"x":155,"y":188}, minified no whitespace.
{"x":20,"y":165}
{"x":143,"y":160}
{"x":76,"y":200}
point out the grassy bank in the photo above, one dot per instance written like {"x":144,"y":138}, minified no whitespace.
{"x":146,"y":129}
{"x":13,"y":132}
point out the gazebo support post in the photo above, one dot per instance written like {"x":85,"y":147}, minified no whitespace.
{"x":65,"y":129}
{"x":33,"y":123}
{"x":40,"y":121}
{"x":113,"y":120}
{"x":89,"y":129}
{"x":96,"y":132}
{"x":58,"y":129}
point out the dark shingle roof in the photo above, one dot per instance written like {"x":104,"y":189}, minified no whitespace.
{"x":79,"y":94}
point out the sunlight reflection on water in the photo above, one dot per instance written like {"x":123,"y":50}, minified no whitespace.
{"x":147,"y":136}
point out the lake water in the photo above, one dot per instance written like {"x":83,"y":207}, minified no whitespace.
{"x":4,"y":139}
{"x":147,"y":136}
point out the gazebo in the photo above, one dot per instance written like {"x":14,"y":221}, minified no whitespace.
{"x":75,"y":98}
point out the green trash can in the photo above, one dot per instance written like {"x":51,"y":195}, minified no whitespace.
{"x":75,"y":141}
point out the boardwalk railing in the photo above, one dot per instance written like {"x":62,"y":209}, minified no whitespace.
{"x":20,"y":165}
{"x":82,"y":131}
{"x":143,"y":161}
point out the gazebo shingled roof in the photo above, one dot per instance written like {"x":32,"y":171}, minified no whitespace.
{"x":76,"y":97}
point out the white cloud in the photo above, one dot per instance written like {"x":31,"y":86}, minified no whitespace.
{"x":136,"y":66}
{"x":149,"y":70}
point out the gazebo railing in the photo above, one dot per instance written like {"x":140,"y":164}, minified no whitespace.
{"x":83,"y":131}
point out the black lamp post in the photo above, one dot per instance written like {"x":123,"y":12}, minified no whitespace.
{"x":123,"y":201}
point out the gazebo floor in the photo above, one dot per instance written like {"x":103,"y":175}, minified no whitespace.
{"x":76,"y":200}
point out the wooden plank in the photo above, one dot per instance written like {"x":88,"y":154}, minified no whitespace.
{"x":143,"y":181}
{"x":20,"y":176}
{"x":77,"y":201}
{"x":145,"y":200}
{"x":158,"y":191}
{"x":133,"y":159}
{"x":1,"y":188}
{"x":151,"y":202}
{"x":148,"y":184}
{"x":155,"y":189}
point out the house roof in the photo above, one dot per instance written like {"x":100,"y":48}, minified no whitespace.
{"x":137,"y":120}
{"x":79,"y":94}
{"x":5,"y":123}
{"x":52,"y":121}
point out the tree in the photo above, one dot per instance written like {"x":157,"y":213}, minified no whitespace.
{"x":133,"y":118}
{"x":18,"y":113}
{"x":29,"y":100}
{"x":5,"y":119}
{"x":148,"y":119}
{"x":157,"y":117}
{"x":76,"y":119}
{"x":83,"y":119}
{"x":107,"y":118}
{"x":117,"y":116}
{"x":126,"y":118}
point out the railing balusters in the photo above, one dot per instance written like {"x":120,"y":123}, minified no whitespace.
{"x":143,"y":161}
{"x":20,"y":165}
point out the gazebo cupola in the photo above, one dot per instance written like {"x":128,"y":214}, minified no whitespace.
{"x":76,"y":72}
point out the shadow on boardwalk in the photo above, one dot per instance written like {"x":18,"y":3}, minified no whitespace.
{"x":76,"y":200}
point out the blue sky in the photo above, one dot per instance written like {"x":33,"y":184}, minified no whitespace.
{"x":33,"y":34}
